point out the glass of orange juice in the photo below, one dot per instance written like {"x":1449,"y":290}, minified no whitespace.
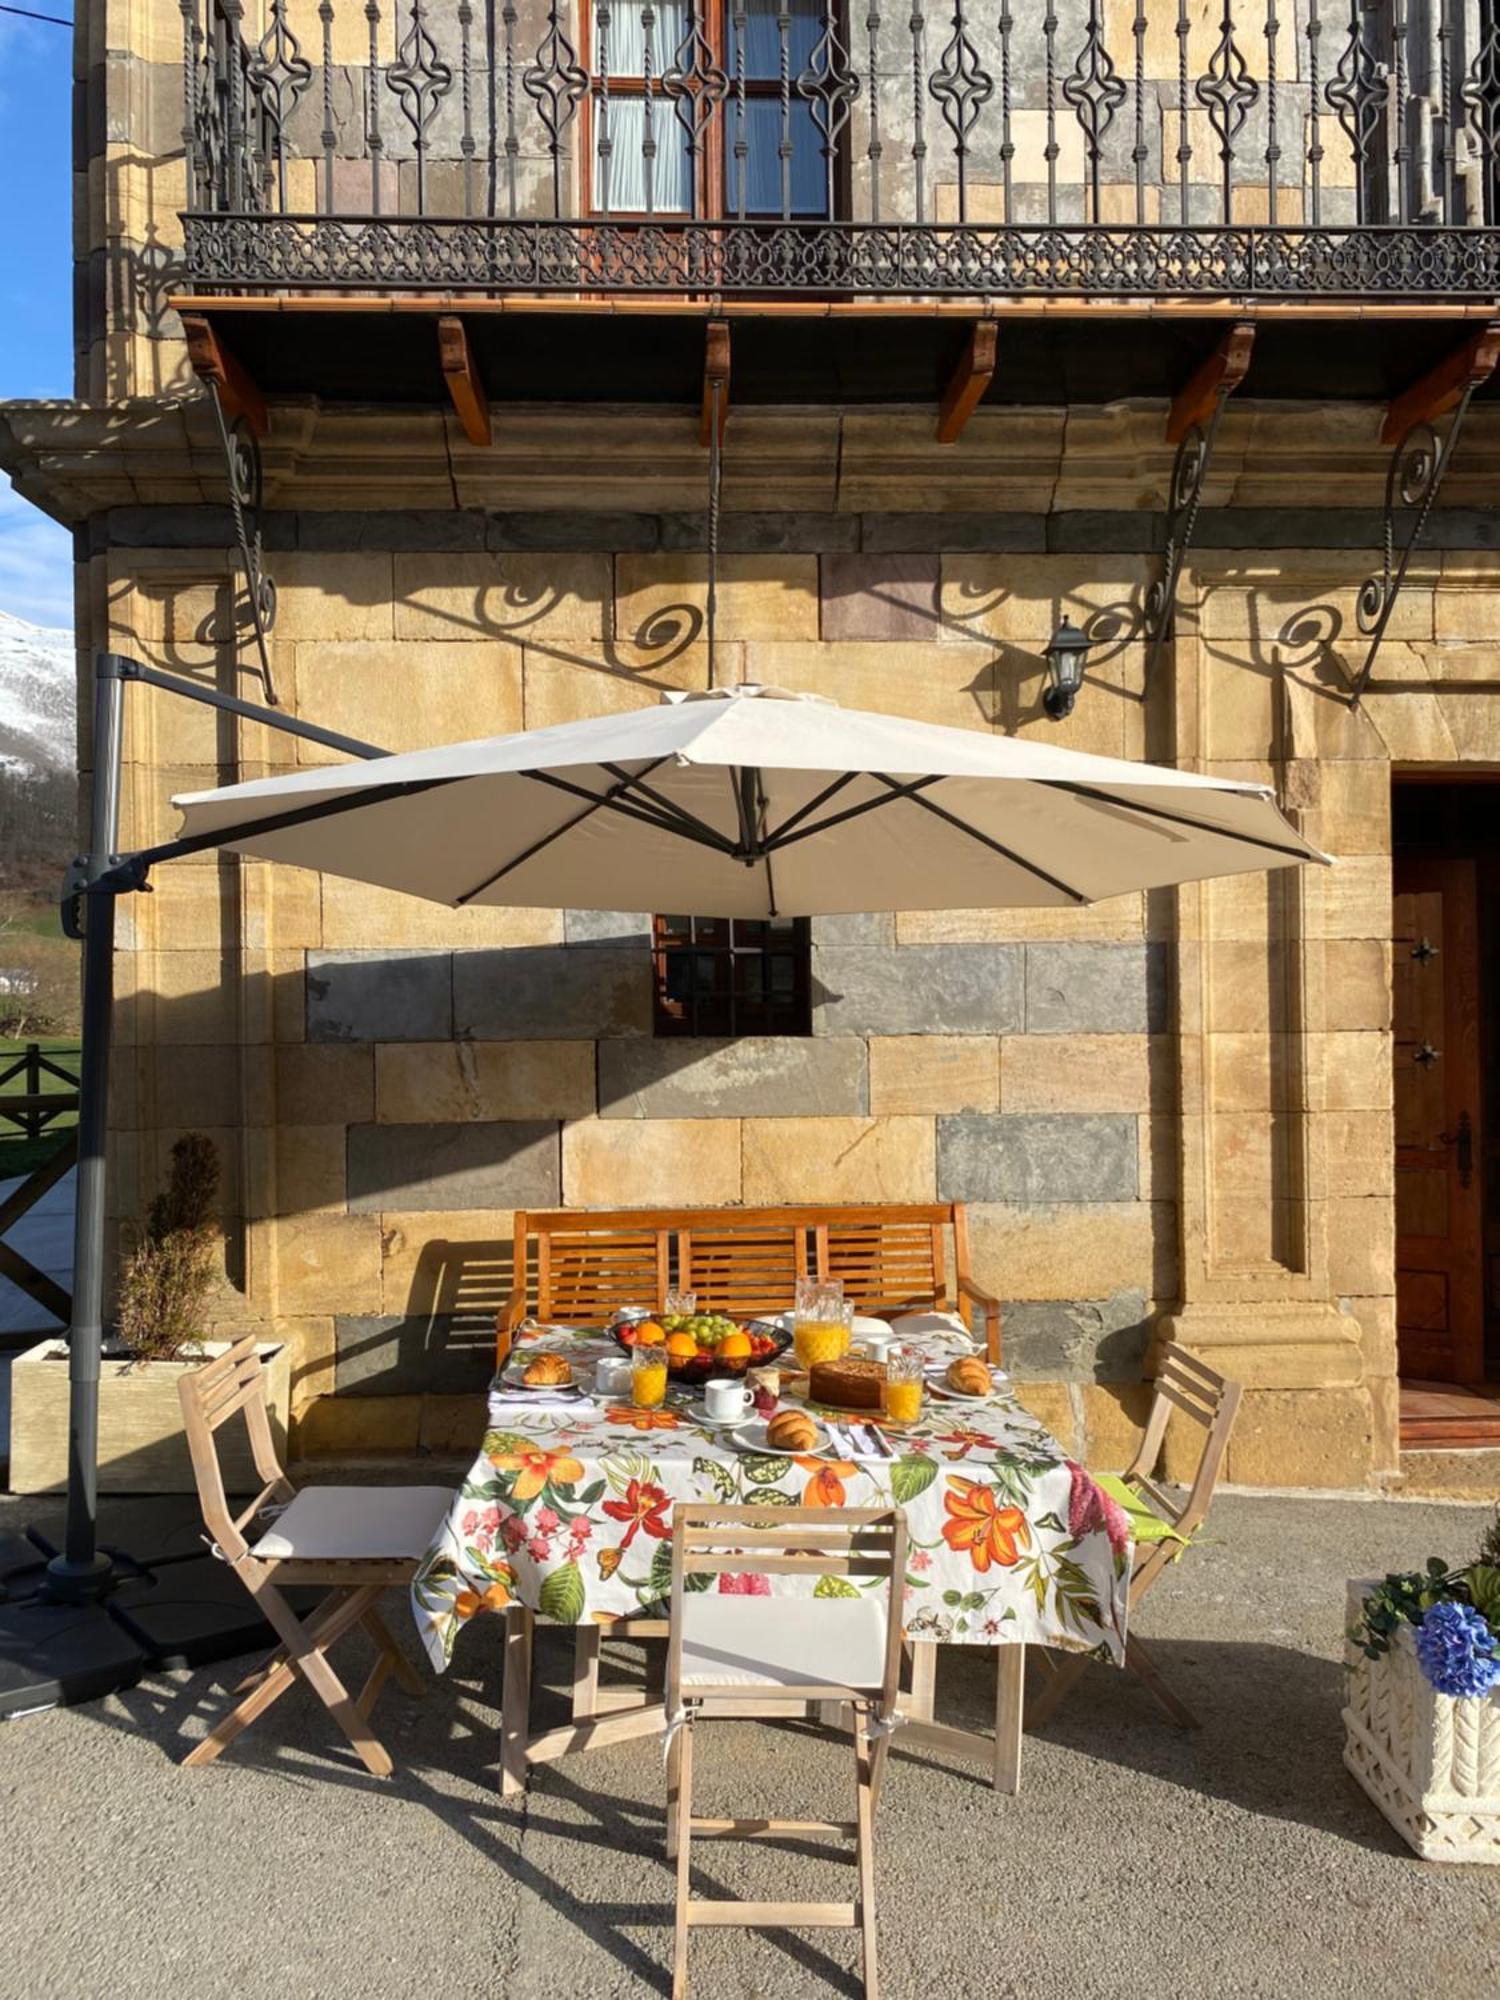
{"x":902,"y":1394}
{"x":648,"y":1377}
{"x":822,"y":1320}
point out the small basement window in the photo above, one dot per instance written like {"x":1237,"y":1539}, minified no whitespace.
{"x":732,"y":975}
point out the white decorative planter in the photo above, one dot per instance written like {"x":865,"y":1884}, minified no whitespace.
{"x":1430,"y":1761}
{"x":142,"y":1448}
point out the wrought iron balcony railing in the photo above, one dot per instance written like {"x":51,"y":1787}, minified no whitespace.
{"x":1136,"y":148}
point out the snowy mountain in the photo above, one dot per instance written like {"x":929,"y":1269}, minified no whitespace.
{"x":37,"y":693}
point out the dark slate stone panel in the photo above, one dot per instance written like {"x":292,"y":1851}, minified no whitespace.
{"x":1096,"y":989}
{"x":1055,"y":1156}
{"x":756,"y":1076}
{"x":379,"y":996}
{"x":1077,"y":1340}
{"x":391,"y":1356}
{"x":514,"y":1163}
{"x":552,"y":992}
{"x":935,"y":989}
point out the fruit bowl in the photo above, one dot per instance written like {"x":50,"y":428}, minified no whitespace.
{"x":709,"y":1333}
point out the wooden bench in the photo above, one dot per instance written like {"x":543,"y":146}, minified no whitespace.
{"x":574,"y":1266}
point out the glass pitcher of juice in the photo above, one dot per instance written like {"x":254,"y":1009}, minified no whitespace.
{"x":822,"y":1319}
{"x":901,"y":1395}
{"x":648,"y":1377}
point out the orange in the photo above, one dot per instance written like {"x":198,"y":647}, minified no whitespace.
{"x":649,"y":1334}
{"x":735,"y":1347}
{"x":681,"y":1346}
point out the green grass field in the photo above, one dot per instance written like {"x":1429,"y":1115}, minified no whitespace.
{"x":18,"y":1153}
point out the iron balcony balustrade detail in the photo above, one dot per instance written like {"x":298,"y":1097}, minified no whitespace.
{"x":1118,"y":148}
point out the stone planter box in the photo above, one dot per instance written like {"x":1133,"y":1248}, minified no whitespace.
{"x":142,"y":1448}
{"x":1430,"y":1761}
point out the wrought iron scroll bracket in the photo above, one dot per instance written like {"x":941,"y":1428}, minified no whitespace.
{"x":242,"y":465}
{"x":1193,"y":423}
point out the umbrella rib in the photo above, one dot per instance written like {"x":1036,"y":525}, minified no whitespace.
{"x":998,"y":847}
{"x":595,"y":801}
{"x":224,"y":836}
{"x":616,"y":801}
{"x":1177,"y":819}
{"x":813,"y":803}
{"x":687,"y":823}
{"x":781,"y":838}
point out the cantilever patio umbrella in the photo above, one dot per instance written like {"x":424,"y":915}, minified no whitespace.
{"x":749,"y":802}
{"x":742,"y":802}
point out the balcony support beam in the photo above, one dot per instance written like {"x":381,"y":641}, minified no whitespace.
{"x":1193,"y":426}
{"x":715,"y":381}
{"x":220,"y":369}
{"x":968,"y":382}
{"x":464,"y":381}
{"x":1419,"y":464}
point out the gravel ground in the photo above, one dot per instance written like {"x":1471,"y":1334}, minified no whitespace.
{"x":1237,"y":1859}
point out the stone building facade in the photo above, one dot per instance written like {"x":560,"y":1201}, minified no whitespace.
{"x":1169,"y":1114}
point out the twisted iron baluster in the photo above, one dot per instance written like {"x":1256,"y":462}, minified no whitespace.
{"x":961,"y":88}
{"x":278,"y":73}
{"x":1400,"y":151}
{"x":741,"y":143}
{"x":1138,"y":151}
{"x":1445,"y":101}
{"x":1094,"y":90}
{"x":1273,"y":149}
{"x":604,"y":145}
{"x":554,"y":82}
{"x":784,"y":146}
{"x":873,"y":149}
{"x":1007,"y":147}
{"x":1315,"y":99}
{"x":1358,"y":96}
{"x":420,"y":80}
{"x":330,"y":131}
{"x":234,"y":123}
{"x":1184,"y":145}
{"x":192,"y":36}
{"x":1049,"y":31}
{"x":648,"y":111}
{"x":466,"y":73}
{"x":512,"y":143}
{"x":373,"y":140}
{"x":830,"y":85}
{"x":918,"y":109}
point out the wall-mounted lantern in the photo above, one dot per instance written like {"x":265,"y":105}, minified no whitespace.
{"x":1065,"y":654}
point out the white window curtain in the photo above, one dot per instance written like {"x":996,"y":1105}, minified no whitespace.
{"x":620,"y":179}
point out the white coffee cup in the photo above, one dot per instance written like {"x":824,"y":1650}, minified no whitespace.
{"x":723,"y":1400}
{"x":877,"y":1346}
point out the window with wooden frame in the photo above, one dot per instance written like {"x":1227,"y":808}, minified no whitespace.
{"x":732,"y":976}
{"x":678,"y":124}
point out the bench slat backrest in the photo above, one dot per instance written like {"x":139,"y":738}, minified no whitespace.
{"x":744,"y":1263}
{"x":580,"y":1266}
{"x":886,"y":1258}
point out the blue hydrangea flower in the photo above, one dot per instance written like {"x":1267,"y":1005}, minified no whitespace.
{"x":1457,"y":1649}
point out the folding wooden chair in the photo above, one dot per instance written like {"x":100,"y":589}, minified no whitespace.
{"x":746,"y":1655}
{"x":358,"y":1540}
{"x":1164,"y":1525}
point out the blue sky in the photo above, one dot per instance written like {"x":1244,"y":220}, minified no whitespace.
{"x":36,"y":285}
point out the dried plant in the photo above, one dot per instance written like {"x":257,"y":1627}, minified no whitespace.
{"x":169,"y":1273}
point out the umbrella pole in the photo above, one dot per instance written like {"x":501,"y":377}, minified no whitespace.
{"x":80,"y":1572}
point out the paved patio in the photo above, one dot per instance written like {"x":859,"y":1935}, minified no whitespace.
{"x":1240,"y":1859}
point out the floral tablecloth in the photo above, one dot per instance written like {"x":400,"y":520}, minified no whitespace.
{"x":569,"y":1512}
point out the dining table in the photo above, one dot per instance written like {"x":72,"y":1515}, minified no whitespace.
{"x":565,"y":1516}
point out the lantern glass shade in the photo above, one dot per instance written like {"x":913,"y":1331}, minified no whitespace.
{"x":1066,"y":652}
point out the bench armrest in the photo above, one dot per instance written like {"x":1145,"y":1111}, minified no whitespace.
{"x":972,"y":1299}
{"x":507,"y":1320}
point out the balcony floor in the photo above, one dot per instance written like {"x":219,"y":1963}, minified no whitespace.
{"x":385,"y":351}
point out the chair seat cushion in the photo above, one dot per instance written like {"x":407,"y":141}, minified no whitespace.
{"x":1146,"y":1525}
{"x":356,"y":1523}
{"x":783,"y":1641}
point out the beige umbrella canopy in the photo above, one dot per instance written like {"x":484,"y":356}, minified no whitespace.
{"x":748,"y":802}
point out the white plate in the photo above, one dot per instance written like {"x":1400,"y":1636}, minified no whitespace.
{"x":939,"y":1386}
{"x":751,"y":1437}
{"x":696,"y":1414}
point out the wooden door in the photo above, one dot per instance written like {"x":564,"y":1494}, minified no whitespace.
{"x":1439,"y":1200}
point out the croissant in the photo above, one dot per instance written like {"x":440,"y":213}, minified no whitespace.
{"x":792,"y":1430}
{"x":547,"y":1371}
{"x":969,"y":1376}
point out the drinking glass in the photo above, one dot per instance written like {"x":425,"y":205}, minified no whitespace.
{"x":902,"y":1394}
{"x":680,"y":1304}
{"x":822,"y":1319}
{"x":648,"y":1377}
